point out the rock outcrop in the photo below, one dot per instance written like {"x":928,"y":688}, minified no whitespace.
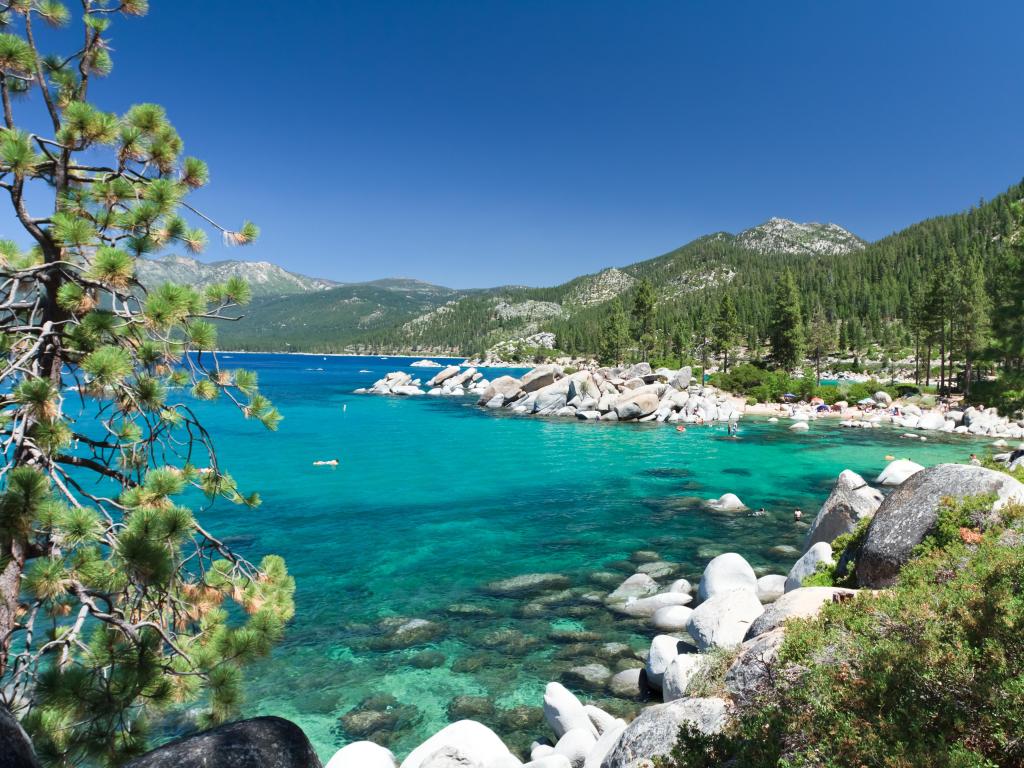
{"x":911,"y":511}
{"x":262,"y":742}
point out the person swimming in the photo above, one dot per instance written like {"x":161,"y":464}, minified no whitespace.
{"x":326,"y":463}
{"x":797,"y":514}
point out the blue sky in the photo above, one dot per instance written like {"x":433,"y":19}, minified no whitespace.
{"x":475,"y":143}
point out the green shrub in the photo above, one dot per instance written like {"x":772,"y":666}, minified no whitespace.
{"x":928,"y":673}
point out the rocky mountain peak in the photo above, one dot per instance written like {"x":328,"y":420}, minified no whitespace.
{"x":779,"y":235}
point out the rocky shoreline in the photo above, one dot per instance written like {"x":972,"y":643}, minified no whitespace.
{"x":642,"y":394}
{"x":716,"y":642}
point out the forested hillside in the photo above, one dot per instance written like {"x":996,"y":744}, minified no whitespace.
{"x":861,"y":294}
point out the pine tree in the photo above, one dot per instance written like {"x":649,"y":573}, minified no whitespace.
{"x":614,"y":336}
{"x":787,"y":326}
{"x":643,"y":316}
{"x":159,"y":611}
{"x":726,"y":330}
{"x":821,"y":338}
{"x":971,"y":311}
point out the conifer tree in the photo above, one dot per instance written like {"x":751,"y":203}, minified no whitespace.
{"x":726,"y":330}
{"x":115,"y":601}
{"x":643,"y":316}
{"x":614,"y":336}
{"x":787,"y":325}
{"x":821,"y":338}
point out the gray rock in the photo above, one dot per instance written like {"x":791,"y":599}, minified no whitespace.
{"x":575,"y":745}
{"x":897,"y":471}
{"x":646,"y":607}
{"x":541,"y":376}
{"x":808,"y":564}
{"x":803,"y":603}
{"x":911,"y":511}
{"x":592,"y":677}
{"x":664,"y":648}
{"x":637,"y":585}
{"x":637,"y":406}
{"x":528,"y":583}
{"x":751,"y":669}
{"x":563,"y":711}
{"x":604,"y":745}
{"x":476,"y":745}
{"x":654,"y":732}
{"x":726,"y":573}
{"x":16,"y":749}
{"x":548,"y":402}
{"x":851,"y":500}
{"x":629,"y":684}
{"x":679,"y":674}
{"x":771,"y":587}
{"x":672,"y":618}
{"x":722,"y":621}
{"x":362,"y":754}
{"x":262,"y":742}
{"x":507,"y":388}
{"x":443,"y":375}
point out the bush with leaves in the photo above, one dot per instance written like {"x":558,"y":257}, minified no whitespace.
{"x":115,"y":602}
{"x":926,"y":673}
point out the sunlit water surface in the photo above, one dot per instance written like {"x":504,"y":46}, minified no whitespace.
{"x":434,"y":498}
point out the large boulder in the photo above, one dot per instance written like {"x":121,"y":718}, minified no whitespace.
{"x":563,"y":711}
{"x":726,"y":573}
{"x":604,"y":745}
{"x":467,"y":740}
{"x":646,"y":607}
{"x":637,"y":585}
{"x":771,"y":587}
{"x":753,"y":664}
{"x":727,"y":502}
{"x":897,"y":471}
{"x":664,"y":648}
{"x":262,"y":742}
{"x":679,"y":674}
{"x":541,"y":376}
{"x":655,"y":730}
{"x":443,"y":375}
{"x":16,"y":749}
{"x":931,"y":420}
{"x":508,"y":388}
{"x":672,"y":618}
{"x":575,"y":745}
{"x":362,"y":754}
{"x":808,"y":564}
{"x":911,"y":511}
{"x":722,"y":621}
{"x":803,"y":602}
{"x":851,"y":500}
{"x":637,"y":406}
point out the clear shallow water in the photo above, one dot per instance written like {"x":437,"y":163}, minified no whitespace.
{"x":434,"y":498}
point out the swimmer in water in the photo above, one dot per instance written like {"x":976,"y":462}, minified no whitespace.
{"x":326,"y":463}
{"x":797,"y":514}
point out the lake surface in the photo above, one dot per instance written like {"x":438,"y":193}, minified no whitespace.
{"x":434,"y":498}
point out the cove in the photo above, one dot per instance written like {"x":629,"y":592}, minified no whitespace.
{"x":434,"y":498}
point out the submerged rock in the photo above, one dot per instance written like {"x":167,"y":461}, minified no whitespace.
{"x":528,"y":583}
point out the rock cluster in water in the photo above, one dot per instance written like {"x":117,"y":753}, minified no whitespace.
{"x":735,"y":611}
{"x":637,"y":393}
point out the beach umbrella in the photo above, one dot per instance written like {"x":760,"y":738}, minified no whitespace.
{"x":821,"y":407}
{"x":789,"y":396}
{"x":866,"y":401}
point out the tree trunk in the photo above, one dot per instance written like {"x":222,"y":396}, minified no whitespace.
{"x":10,"y":592}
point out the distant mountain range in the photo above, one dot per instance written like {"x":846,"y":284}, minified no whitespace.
{"x":856,"y":282}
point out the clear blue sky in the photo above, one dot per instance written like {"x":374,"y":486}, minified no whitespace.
{"x":475,"y":143}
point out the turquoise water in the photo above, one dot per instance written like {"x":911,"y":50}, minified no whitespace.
{"x":434,"y":498}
